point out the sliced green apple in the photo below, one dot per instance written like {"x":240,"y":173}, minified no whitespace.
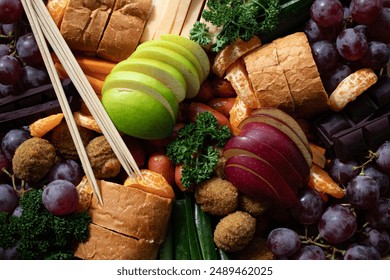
{"x":193,"y":47}
{"x":180,"y":50}
{"x":176,"y":60}
{"x":137,"y":113}
{"x":146,"y":84}
{"x":163,"y":72}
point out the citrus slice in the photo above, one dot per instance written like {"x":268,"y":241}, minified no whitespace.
{"x":238,"y":113}
{"x":321,"y":181}
{"x":42,"y":126}
{"x":151,"y":182}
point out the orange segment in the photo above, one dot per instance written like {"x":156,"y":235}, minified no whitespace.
{"x":42,"y":126}
{"x":318,"y":153}
{"x":151,"y":182}
{"x":238,"y":113}
{"x":56,"y":9}
{"x":321,"y":181}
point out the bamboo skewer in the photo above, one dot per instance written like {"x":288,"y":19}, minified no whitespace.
{"x":45,"y":52}
{"x":45,"y":28}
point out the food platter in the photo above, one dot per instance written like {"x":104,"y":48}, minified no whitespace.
{"x":140,"y":130}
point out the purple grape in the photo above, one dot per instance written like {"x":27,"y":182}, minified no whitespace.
{"x":310,"y":207}
{"x":34,"y":76}
{"x":342,"y":171}
{"x":377,"y":55}
{"x":324,"y":54}
{"x":4,"y":50}
{"x":365,"y":11}
{"x":10,"y":70}
{"x":327,"y":12}
{"x":283,"y":242}
{"x":379,"y":239}
{"x":60,"y":197}
{"x":337,"y":224}
{"x":382,"y":179}
{"x":379,"y":216}
{"x":332,"y":78}
{"x":18,"y":211}
{"x":363,"y":29}
{"x":383,"y":157}
{"x":68,"y":170}
{"x":28,"y":50}
{"x":10,"y":11}
{"x":379,"y":27}
{"x":361,"y":252}
{"x":362,"y":192}
{"x":310,"y":252}
{"x":316,"y":33}
{"x":8,"y":198}
{"x":351,"y":44}
{"x":6,"y":90}
{"x":12,"y":140}
{"x":4,"y":162}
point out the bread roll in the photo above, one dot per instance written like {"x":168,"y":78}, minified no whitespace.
{"x":268,"y":79}
{"x":83,"y":23}
{"x":124,"y":29}
{"x":295,"y":58}
{"x":105,"y":244}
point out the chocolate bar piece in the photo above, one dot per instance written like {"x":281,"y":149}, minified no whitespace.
{"x":362,"y":125}
{"x":19,"y":110}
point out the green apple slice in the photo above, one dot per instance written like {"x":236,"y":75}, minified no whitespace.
{"x":137,"y":113}
{"x":176,"y":60}
{"x":193,"y":47}
{"x":179,"y":49}
{"x":146,"y":84}
{"x":163,"y":72}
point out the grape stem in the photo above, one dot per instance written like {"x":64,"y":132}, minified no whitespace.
{"x":22,"y":189}
{"x":371,"y":156}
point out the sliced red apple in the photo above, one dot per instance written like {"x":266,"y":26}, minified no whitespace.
{"x":285,"y":128}
{"x":241,"y":145}
{"x":268,"y":183}
{"x":279,"y":141}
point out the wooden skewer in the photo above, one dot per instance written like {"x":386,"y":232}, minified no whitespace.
{"x":61,"y":97}
{"x":84,"y":88}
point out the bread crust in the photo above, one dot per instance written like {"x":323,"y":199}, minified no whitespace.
{"x":267,"y":78}
{"x":296,"y":59}
{"x":124,"y":29}
{"x":105,"y":244}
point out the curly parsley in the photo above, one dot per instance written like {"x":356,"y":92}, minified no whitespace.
{"x":237,"y":19}
{"x":195,"y":147}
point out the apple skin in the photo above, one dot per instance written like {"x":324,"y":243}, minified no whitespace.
{"x":279,"y":141}
{"x":163,"y":72}
{"x":137,"y":114}
{"x":260,"y":180}
{"x":241,"y":145}
{"x":285,"y":128}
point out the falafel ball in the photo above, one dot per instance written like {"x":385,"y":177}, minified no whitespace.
{"x":217,"y":196}
{"x":257,"y":249}
{"x":234,"y":231}
{"x":63,"y":141}
{"x":33,"y":159}
{"x":251,"y":205}
{"x":103,"y":161}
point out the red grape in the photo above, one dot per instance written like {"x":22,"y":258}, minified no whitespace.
{"x":361,"y":252}
{"x":383,"y":157}
{"x":310,"y":252}
{"x":310,"y":207}
{"x":316,"y":33}
{"x":8,"y":198}
{"x":68,"y":170}
{"x":379,"y":216}
{"x":377,"y":55}
{"x":325,"y":55}
{"x":10,"y":11}
{"x":365,"y":11}
{"x":283,"y":242}
{"x":379,"y":29}
{"x":351,"y":44}
{"x":327,"y":12}
{"x":60,"y":197}
{"x":363,"y":192}
{"x":27,"y":49}
{"x":12,"y":140}
{"x":10,"y":70}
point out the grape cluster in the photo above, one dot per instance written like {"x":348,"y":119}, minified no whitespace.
{"x":348,"y":35}
{"x":21,"y":63}
{"x":354,"y":227}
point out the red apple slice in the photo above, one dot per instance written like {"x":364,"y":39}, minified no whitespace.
{"x":279,"y":141}
{"x":268,"y":183}
{"x":241,"y":145}
{"x":285,"y":128}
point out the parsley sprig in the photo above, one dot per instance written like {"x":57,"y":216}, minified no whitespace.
{"x":237,"y":19}
{"x":196,"y":148}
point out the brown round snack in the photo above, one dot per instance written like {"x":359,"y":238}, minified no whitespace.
{"x":256,"y":250}
{"x":103,"y":161}
{"x":235,"y":231}
{"x":63,"y":142}
{"x":33,"y":159}
{"x":217,"y":196}
{"x":251,"y":205}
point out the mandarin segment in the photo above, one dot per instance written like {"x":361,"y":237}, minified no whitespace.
{"x":42,"y":126}
{"x":238,"y":113}
{"x":321,"y":181}
{"x":151,"y":182}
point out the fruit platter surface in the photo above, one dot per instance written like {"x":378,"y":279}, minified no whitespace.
{"x":254,"y":130}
